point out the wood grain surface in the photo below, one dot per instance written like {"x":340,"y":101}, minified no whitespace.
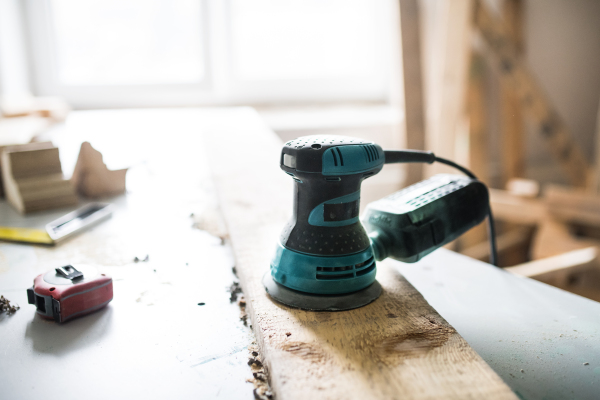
{"x":398,"y":347}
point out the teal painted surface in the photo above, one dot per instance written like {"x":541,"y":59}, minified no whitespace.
{"x":299,"y":271}
{"x":353,"y":159}
{"x":315,"y":217}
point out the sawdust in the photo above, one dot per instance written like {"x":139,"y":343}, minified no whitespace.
{"x":211,"y":221}
{"x":309,"y":352}
{"x":399,"y":347}
{"x":323,"y":316}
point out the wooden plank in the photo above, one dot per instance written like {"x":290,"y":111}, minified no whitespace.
{"x":414,"y":114}
{"x":576,"y":271}
{"x":397,"y":347}
{"x":533,"y":100}
{"x":561,"y":265}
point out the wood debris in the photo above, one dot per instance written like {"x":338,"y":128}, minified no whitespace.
{"x":262,"y":390}
{"x":243,"y":314}
{"x":6,"y":307}
{"x":234,"y":289}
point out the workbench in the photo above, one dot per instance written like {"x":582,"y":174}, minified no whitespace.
{"x":154,"y":340}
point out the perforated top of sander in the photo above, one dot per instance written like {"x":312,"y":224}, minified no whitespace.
{"x":307,"y":151}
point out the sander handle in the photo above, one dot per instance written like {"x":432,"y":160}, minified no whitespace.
{"x":418,"y":156}
{"x":408,"y":156}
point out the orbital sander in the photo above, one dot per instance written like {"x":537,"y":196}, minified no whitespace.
{"x":326,"y":257}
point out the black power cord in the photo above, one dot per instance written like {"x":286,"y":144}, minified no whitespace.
{"x":416,"y":156}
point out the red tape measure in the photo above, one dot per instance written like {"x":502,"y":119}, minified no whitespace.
{"x":69,"y":292}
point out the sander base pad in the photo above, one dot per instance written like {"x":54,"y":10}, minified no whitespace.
{"x":320,"y":302}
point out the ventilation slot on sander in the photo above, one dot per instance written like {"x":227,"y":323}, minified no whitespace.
{"x":359,"y":269}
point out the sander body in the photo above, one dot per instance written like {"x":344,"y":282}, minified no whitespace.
{"x":326,"y":257}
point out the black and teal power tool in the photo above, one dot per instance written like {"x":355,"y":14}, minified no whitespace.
{"x":326,"y":258}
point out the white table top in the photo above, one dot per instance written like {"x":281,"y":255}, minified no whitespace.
{"x":154,"y":341}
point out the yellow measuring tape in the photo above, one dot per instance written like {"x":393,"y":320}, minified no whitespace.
{"x":26,"y":235}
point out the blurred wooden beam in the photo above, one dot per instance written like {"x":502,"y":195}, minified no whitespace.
{"x":513,"y":143}
{"x":595,"y":184}
{"x":556,"y":270}
{"x":532,"y":98}
{"x":479,"y":155}
{"x":413,"y":84}
{"x":448,"y":88}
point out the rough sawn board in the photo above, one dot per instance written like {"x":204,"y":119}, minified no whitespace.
{"x":398,"y":347}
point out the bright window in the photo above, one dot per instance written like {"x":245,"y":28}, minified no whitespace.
{"x":304,"y":39}
{"x":110,"y":42}
{"x":112,"y":53}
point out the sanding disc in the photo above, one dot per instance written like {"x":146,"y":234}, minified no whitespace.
{"x":319,"y":302}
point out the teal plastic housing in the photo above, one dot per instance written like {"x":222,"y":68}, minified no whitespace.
{"x":352,"y":159}
{"x":323,"y":275}
{"x":316,"y":217}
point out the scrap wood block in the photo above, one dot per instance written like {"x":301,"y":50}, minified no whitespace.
{"x":33,"y":178}
{"x":92,"y":178}
{"x":19,"y":130}
{"x":398,"y":347}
